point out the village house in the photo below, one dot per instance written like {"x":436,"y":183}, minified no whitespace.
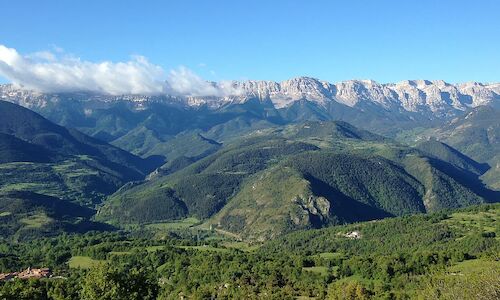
{"x":26,"y":274}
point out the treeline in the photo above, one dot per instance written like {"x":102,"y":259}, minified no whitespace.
{"x":413,"y":233}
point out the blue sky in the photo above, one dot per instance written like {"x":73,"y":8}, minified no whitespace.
{"x":274,"y":40}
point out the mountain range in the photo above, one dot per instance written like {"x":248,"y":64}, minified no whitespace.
{"x":433,"y":98}
{"x":142,"y":124}
{"x":268,"y":159}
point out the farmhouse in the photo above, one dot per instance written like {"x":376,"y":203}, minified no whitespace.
{"x":26,"y":274}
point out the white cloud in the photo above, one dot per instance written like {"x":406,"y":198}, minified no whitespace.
{"x":56,"y":72}
{"x":45,"y":55}
{"x":184,"y":82}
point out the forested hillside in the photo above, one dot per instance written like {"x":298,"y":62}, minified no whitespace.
{"x":475,"y":134}
{"x":447,"y":255}
{"x":309,"y":175}
{"x":52,"y":177}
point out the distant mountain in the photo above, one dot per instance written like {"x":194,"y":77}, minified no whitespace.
{"x":475,"y":133}
{"x":145,"y":121}
{"x":436,"y":97}
{"x":30,"y":127}
{"x":39,"y":156}
{"x":279,"y":179}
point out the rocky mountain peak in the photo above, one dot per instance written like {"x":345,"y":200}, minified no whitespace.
{"x":434,"y":98}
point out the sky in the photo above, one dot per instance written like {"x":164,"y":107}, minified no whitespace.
{"x":146,"y":42}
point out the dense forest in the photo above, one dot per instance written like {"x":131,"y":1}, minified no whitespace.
{"x":425,"y":256}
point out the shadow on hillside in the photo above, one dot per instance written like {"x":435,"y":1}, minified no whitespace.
{"x":467,"y":179}
{"x":347,"y":209}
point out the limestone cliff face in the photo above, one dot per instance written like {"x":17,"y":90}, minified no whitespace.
{"x":429,"y":98}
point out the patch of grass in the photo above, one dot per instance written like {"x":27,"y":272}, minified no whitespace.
{"x":22,"y":186}
{"x":84,"y":157}
{"x":120,"y":252}
{"x":181,"y":224}
{"x":74,"y":169}
{"x":243,"y":246}
{"x":485,"y":220}
{"x":83,"y":262}
{"x":330,"y":255}
{"x":323,"y":271}
{"x":204,"y":248}
{"x":5,"y":213}
{"x":474,"y":266}
{"x":15,"y":165}
{"x":154,"y":248}
{"x":36,"y":221}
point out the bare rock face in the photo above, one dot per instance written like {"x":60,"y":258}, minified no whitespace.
{"x":433,"y":97}
{"x":312,"y":209}
{"x":429,"y":98}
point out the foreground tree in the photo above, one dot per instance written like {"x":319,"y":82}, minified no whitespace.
{"x":106,"y":282}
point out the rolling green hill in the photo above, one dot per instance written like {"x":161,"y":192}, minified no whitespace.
{"x":205,"y":186}
{"x":319,"y":188}
{"x":39,"y":156}
{"x":52,"y":176}
{"x":27,"y":215}
{"x":468,"y":229}
{"x":307,"y":175}
{"x":475,"y":134}
{"x":446,"y":153}
{"x":80,"y":179}
{"x":30,"y":127}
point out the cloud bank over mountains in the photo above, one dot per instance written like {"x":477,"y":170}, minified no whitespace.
{"x":58,"y":72}
{"x":183,"y":81}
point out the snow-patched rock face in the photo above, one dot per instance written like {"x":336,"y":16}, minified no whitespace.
{"x":285,"y":93}
{"x":436,"y":98}
{"x":29,"y":99}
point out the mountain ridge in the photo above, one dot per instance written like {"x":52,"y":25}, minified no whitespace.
{"x":305,"y":175}
{"x":432,"y":96}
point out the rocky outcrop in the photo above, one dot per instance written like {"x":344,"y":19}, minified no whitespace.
{"x":430,"y":98}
